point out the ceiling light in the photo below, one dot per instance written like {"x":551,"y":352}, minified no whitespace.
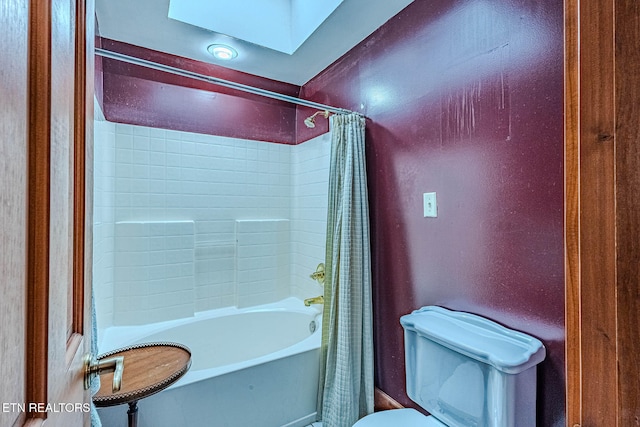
{"x":222,"y":51}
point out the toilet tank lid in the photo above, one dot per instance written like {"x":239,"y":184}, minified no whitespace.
{"x":484,"y":340}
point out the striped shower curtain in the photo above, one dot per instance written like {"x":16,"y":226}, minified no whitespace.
{"x":346,"y":374}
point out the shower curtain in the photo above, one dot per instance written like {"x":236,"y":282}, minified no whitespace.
{"x":346,"y":373}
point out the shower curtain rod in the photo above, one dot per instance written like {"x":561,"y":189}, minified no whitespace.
{"x":220,"y":82}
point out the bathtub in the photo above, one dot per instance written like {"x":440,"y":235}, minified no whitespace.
{"x":256,"y":367}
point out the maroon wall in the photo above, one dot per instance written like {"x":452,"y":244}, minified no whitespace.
{"x":141,"y":96}
{"x":464,"y":98}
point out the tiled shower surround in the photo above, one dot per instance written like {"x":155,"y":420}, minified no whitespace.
{"x":187,"y":222}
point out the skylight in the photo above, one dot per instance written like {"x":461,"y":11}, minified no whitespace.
{"x":282,"y":25}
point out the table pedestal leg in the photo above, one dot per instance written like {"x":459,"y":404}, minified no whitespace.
{"x":133,"y":414}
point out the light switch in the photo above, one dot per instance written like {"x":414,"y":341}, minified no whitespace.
{"x":430,"y":205}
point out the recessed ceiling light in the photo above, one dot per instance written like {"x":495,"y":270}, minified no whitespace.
{"x":222,"y":51}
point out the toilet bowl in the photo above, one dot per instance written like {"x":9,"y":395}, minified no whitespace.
{"x":398,"y":418}
{"x":466,"y":371}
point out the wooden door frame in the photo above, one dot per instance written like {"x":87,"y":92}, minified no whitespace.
{"x":627,"y":161}
{"x":602,"y":212}
{"x":39,"y":101}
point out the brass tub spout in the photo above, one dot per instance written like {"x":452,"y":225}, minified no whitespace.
{"x":316,"y":300}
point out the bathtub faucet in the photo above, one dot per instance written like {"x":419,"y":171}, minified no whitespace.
{"x":316,"y":300}
{"x":318,"y":275}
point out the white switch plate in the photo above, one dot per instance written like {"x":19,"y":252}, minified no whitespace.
{"x":430,"y":205}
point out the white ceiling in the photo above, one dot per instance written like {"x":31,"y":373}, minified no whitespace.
{"x":146,"y":23}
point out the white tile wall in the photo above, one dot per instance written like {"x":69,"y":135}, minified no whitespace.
{"x":215,"y":275}
{"x":263,"y":261}
{"x":145,"y":175}
{"x":309,"y":195}
{"x":103,"y":227}
{"x":154,"y":271}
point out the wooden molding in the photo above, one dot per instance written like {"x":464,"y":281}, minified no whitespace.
{"x":627,"y":96}
{"x":590,"y":267}
{"x":571,"y":211}
{"x":39,"y":143}
{"x":79,"y":178}
{"x":382,"y":401}
{"x":602,"y":212}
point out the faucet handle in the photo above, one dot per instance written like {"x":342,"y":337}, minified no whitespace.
{"x":318,"y":274}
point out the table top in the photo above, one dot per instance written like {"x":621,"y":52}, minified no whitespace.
{"x":148,"y":369}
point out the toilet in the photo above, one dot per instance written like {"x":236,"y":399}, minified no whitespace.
{"x":465,"y":371}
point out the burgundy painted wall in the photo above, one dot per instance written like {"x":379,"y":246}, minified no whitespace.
{"x":464,"y":98}
{"x":141,"y":96}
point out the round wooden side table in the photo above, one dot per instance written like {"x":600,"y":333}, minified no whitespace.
{"x":148,"y":369}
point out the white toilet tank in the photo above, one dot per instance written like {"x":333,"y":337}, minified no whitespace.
{"x":469,"y":371}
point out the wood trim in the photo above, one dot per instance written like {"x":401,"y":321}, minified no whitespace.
{"x":85,"y":59}
{"x":627,"y":91}
{"x":39,"y":162}
{"x":79,"y":179}
{"x":382,"y":401}
{"x":594,"y":166}
{"x":597,"y":214}
{"x":571,"y":211}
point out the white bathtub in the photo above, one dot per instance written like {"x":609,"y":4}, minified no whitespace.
{"x":253,"y":367}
